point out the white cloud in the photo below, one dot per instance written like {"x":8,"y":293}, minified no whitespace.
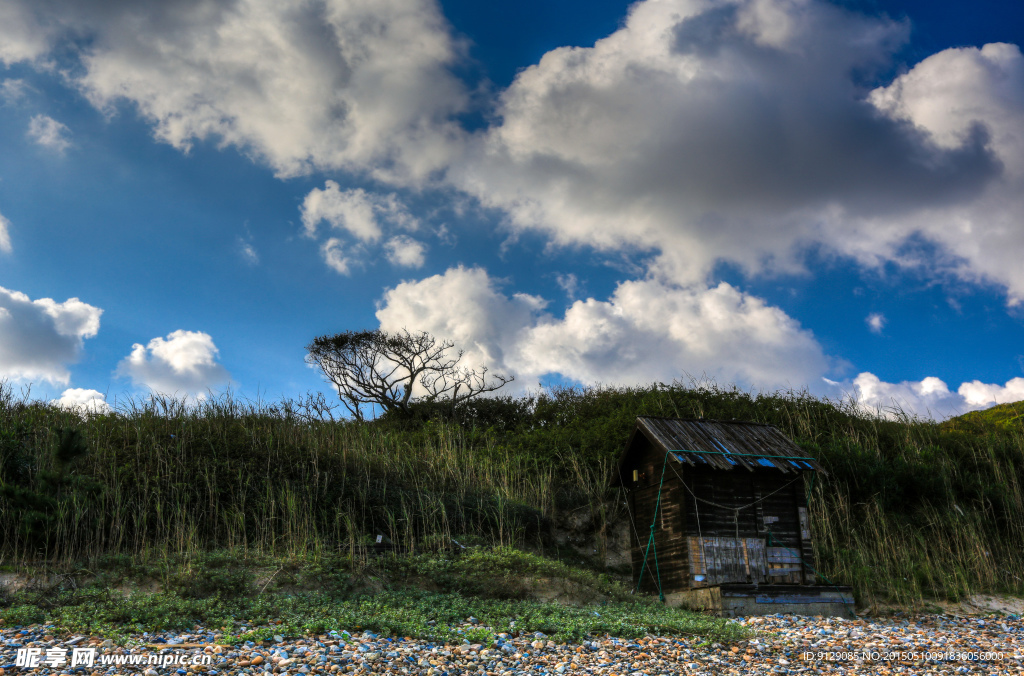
{"x":405,"y":251}
{"x":700,"y":131}
{"x":39,"y":338}
{"x":351,"y":210}
{"x":875,"y":322}
{"x":652,"y":331}
{"x":356,"y":211}
{"x":954,"y":96}
{"x":358,"y":85}
{"x":333,"y":252}
{"x":952,"y":90}
{"x":12,"y":90}
{"x":248,"y":252}
{"x":979,"y":394}
{"x":183,"y":364}
{"x":83,"y":401}
{"x":364,"y":216}
{"x":462,"y":305}
{"x":5,"y":235}
{"x":568,"y":283}
{"x":927,"y":398}
{"x":709,"y":131}
{"x":49,"y":133}
{"x":647,"y":331}
{"x":23,"y":37}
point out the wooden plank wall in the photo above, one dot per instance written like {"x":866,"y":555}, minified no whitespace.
{"x":670,"y":544}
{"x":781,"y":528}
{"x":773,"y":544}
{"x":714,"y":561}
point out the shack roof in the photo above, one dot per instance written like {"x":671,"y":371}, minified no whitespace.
{"x":718,"y":444}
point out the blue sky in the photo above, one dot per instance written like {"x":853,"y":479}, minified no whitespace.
{"x":774,"y":193}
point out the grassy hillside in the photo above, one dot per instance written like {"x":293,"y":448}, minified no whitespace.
{"x":1007,"y":416}
{"x":909,"y":508}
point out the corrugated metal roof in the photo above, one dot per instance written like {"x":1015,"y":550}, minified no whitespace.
{"x":725,"y":445}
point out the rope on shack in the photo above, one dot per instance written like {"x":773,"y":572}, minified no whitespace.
{"x":650,"y":540}
{"x":735,"y":510}
{"x":632,"y":521}
{"x":730,"y":508}
{"x":651,"y":544}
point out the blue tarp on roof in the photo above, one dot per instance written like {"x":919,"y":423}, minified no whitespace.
{"x":725,"y":445}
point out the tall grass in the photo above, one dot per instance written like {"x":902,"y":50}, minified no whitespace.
{"x":908,"y":509}
{"x":225,"y":473}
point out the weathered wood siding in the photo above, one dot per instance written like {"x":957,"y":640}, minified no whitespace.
{"x":669,"y":522}
{"x":698,"y":544}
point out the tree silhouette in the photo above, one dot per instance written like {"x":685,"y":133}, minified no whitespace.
{"x":378,"y":368}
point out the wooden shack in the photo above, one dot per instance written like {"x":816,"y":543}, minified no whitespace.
{"x":720,"y":518}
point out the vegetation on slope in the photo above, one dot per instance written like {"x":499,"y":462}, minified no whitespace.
{"x":909,"y":508}
{"x":1007,"y":416}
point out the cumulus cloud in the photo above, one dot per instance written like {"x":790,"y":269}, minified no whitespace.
{"x":701,"y":131}
{"x":363,"y":216}
{"x":182,"y":364}
{"x":351,"y":210}
{"x":647,"y":331}
{"x":463,"y":305}
{"x":83,"y":401}
{"x":333,"y":252}
{"x":49,"y":133}
{"x":928,"y":398}
{"x":875,"y":322}
{"x":953,"y":96}
{"x":5,"y":235}
{"x":39,"y":338}
{"x":979,"y":394}
{"x":405,"y":251}
{"x":741,"y":131}
{"x":358,"y":85}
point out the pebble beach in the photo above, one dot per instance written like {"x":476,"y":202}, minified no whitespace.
{"x":779,"y":644}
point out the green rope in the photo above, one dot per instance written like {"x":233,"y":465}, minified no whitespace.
{"x":650,"y":540}
{"x":657,"y":505}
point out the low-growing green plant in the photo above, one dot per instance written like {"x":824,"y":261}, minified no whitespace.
{"x":413,"y":614}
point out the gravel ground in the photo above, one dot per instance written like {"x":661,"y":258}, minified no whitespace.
{"x":783,"y":644}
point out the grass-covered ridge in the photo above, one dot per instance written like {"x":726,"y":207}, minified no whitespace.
{"x":909,"y":508}
{"x":1008,"y":416}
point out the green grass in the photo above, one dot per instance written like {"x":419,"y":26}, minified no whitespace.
{"x":415,"y":614}
{"x":909,"y":509}
{"x":484,"y":584}
{"x":1007,"y":416}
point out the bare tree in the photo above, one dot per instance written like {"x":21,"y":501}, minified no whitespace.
{"x":378,"y":368}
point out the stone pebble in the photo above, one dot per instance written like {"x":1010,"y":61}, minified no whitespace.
{"x":781,"y":644}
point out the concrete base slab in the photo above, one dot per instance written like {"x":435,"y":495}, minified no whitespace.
{"x":735,"y":600}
